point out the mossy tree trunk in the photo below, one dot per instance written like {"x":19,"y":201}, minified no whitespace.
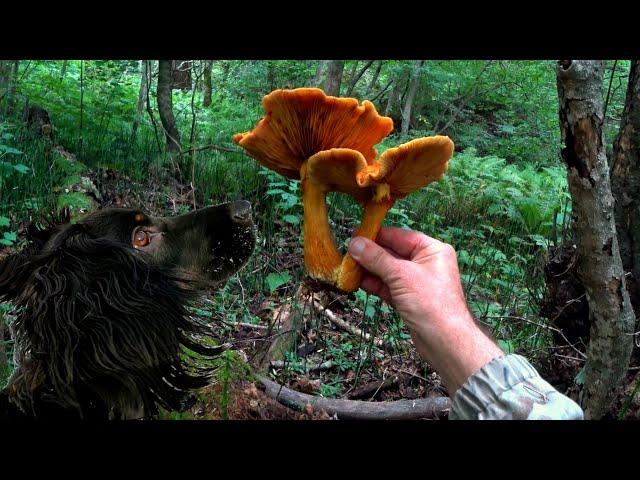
{"x":165,"y":106}
{"x":599,"y":266}
{"x":625,"y":184}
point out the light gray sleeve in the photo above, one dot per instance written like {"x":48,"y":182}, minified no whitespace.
{"x":509,"y":388}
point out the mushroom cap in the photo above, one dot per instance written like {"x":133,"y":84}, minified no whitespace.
{"x":337,"y":170}
{"x":410,"y":166}
{"x":301,"y":122}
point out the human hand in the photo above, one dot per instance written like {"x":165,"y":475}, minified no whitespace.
{"x":419,"y":276}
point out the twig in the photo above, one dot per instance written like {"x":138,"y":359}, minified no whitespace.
{"x":347,"y":326}
{"x":328,"y":365}
{"x":358,"y":409}
{"x":541,"y":325}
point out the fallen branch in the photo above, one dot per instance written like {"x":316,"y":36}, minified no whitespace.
{"x":328,"y":365}
{"x":358,"y":409}
{"x":333,"y":318}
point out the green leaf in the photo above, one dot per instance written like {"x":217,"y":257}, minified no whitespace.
{"x":506,"y":346}
{"x":275,"y":280}
{"x":292,"y":219}
{"x":8,"y":149}
{"x":10,"y":236}
{"x":580,"y":376}
{"x":4,"y":221}
{"x":22,"y":168}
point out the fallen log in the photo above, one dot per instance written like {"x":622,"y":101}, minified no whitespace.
{"x":357,"y":409}
{"x":373,"y":388}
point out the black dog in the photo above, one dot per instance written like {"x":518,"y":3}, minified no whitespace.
{"x":101,"y":328}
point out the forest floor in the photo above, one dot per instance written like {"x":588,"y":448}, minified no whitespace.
{"x":328,"y":359}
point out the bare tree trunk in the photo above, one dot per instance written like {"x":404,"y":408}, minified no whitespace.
{"x":600,"y":267}
{"x":374,"y":79}
{"x":207,"y":83}
{"x":145,"y":80}
{"x":353,"y":80}
{"x":392,"y":100}
{"x":165,"y":106}
{"x":411,"y":95}
{"x":625,"y":184}
{"x":5,"y":74}
{"x":317,"y":80}
{"x":11,"y":91}
{"x":334,"y":77}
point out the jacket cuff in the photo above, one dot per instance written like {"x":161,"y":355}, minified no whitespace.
{"x":509,"y":387}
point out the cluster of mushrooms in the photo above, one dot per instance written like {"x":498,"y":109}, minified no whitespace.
{"x":327,"y":143}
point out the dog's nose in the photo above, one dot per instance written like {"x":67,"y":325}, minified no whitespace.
{"x":240,"y":210}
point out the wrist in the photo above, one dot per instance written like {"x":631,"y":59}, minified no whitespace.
{"x":456,"y":348}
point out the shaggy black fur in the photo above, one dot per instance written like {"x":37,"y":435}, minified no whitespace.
{"x":101,"y":328}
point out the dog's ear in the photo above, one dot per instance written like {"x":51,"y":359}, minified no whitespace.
{"x":100,"y":327}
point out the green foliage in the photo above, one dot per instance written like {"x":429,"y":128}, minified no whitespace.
{"x":274,"y":280}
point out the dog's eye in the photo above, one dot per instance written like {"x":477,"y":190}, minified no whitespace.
{"x":141,"y":239}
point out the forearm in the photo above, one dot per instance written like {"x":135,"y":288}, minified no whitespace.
{"x":484,"y":383}
{"x":455,"y":347}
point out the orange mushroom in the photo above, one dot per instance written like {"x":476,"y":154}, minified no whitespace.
{"x":398,"y":172}
{"x":327,"y":143}
{"x":298,"y":124}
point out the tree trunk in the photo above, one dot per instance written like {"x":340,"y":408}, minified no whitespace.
{"x":411,"y":95}
{"x":165,"y":106}
{"x":206,"y":74}
{"x":11,"y":91}
{"x":333,"y":79}
{"x":63,"y":69}
{"x":357,"y":76}
{"x":374,"y":79}
{"x":625,"y":184}
{"x":392,"y":100}
{"x":317,"y":80}
{"x":599,"y":265}
{"x":145,"y":80}
{"x":4,"y":364}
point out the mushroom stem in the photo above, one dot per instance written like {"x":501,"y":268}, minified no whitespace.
{"x":350,"y":273}
{"x":321,"y":256}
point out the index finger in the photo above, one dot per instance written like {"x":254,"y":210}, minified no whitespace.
{"x":405,"y":243}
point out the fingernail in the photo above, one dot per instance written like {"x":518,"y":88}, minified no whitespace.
{"x":356,"y":247}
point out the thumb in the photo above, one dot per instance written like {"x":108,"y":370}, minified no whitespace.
{"x":372,"y":257}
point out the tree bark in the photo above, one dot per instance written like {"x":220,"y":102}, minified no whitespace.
{"x":357,"y":76}
{"x":599,"y":265}
{"x":317,"y":80}
{"x":206,"y":74}
{"x":357,"y":409}
{"x":411,"y":95}
{"x":374,"y":79}
{"x":165,"y":106}
{"x":145,"y":80}
{"x":625,"y":184}
{"x":333,"y":79}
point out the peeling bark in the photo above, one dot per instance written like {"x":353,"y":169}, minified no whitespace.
{"x":599,"y":265}
{"x":625,"y":184}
